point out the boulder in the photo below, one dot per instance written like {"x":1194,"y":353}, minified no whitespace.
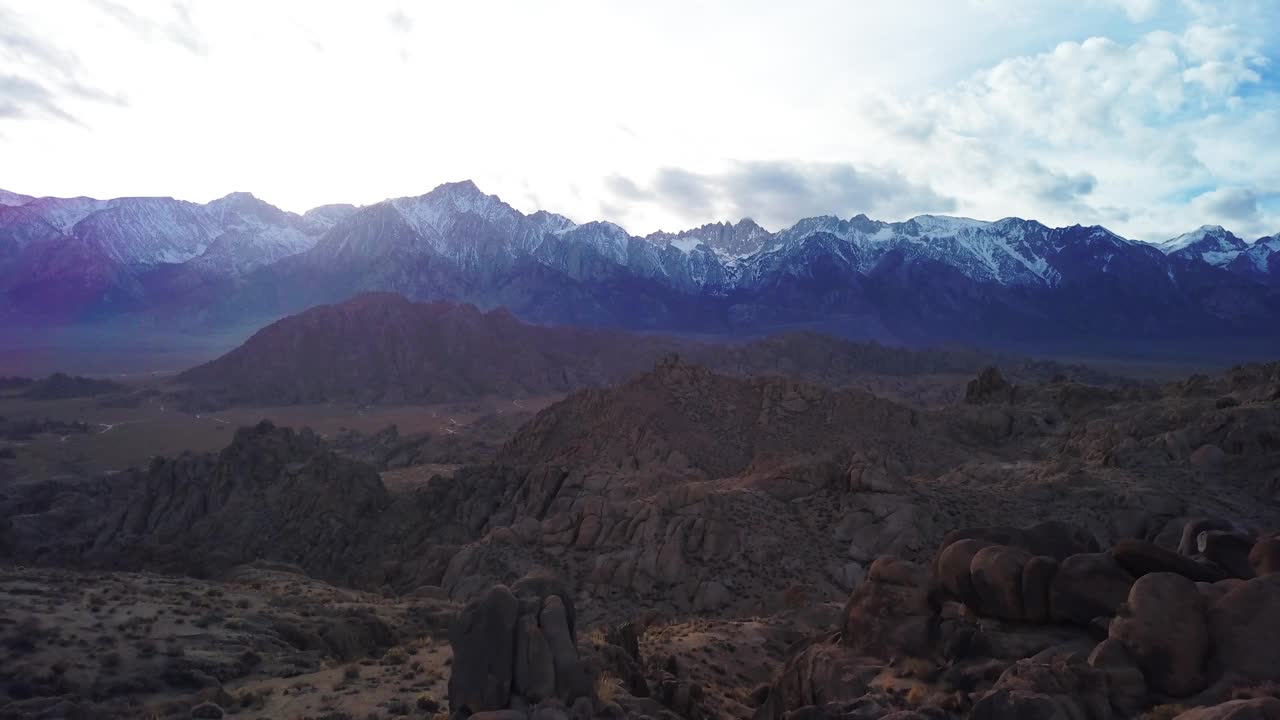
{"x":535,"y":675}
{"x":572,"y":676}
{"x":1046,"y":691}
{"x":889,"y":613}
{"x":711,"y":595}
{"x":996,"y":575}
{"x":1060,"y":540}
{"x":1086,"y":586}
{"x":483,"y":642}
{"x":1037,"y":575}
{"x":1162,"y":625}
{"x":513,"y":648}
{"x":1244,"y":625}
{"x":207,"y":711}
{"x":1254,"y":709}
{"x":1264,"y":556}
{"x":1208,"y":457}
{"x":951,"y":568}
{"x":1188,"y":545}
{"x":1126,"y":684}
{"x":1140,"y":557}
{"x":1229,"y":550}
{"x":1055,"y":539}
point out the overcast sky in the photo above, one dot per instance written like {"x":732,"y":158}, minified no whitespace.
{"x":1151,"y":117}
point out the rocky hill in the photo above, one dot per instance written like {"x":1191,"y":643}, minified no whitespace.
{"x":382,"y":348}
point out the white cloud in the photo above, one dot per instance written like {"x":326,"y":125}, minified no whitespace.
{"x":1100,"y":131}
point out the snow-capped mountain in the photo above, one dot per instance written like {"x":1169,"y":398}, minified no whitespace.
{"x":71,"y":258}
{"x":1210,"y":243}
{"x":229,"y":235}
{"x":239,"y":256}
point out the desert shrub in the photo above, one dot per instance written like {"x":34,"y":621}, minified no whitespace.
{"x":608,"y":687}
{"x":395,"y":656}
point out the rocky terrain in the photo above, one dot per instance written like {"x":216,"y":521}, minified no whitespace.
{"x":697,"y":545}
{"x":60,"y":386}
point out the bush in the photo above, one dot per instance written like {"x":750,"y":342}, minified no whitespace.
{"x":395,"y":656}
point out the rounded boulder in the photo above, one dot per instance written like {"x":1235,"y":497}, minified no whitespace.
{"x":1163,"y":627}
{"x":1086,"y":586}
{"x":996,"y":574}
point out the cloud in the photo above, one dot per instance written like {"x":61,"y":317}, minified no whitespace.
{"x":1058,"y":187}
{"x":178,"y":27}
{"x":624,"y":188}
{"x":778,"y":193}
{"x":22,"y":97}
{"x":1229,"y":204}
{"x":400,"y":21}
{"x":50,"y":76}
{"x":689,"y":194}
{"x":1139,"y":10}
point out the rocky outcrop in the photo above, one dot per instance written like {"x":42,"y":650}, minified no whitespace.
{"x":989,"y":387}
{"x":1018,"y":633}
{"x":516,"y":647}
{"x":273,"y":493}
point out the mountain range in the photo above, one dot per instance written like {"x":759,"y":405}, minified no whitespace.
{"x":170,"y":263}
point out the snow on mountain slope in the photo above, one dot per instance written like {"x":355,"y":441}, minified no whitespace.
{"x":13,"y":199}
{"x":326,"y":216}
{"x":253,"y":233}
{"x":738,"y":239}
{"x":64,"y":213}
{"x":1211,"y":243}
{"x":148,"y":231}
{"x":1261,"y":259}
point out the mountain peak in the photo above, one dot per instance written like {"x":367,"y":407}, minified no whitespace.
{"x":238,"y":196}
{"x":458,"y":188}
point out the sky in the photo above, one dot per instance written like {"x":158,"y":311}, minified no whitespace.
{"x":1151,"y":117}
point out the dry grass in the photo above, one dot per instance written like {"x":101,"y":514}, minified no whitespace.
{"x":1167,"y":711}
{"x":596,"y":636}
{"x":608,"y":687}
